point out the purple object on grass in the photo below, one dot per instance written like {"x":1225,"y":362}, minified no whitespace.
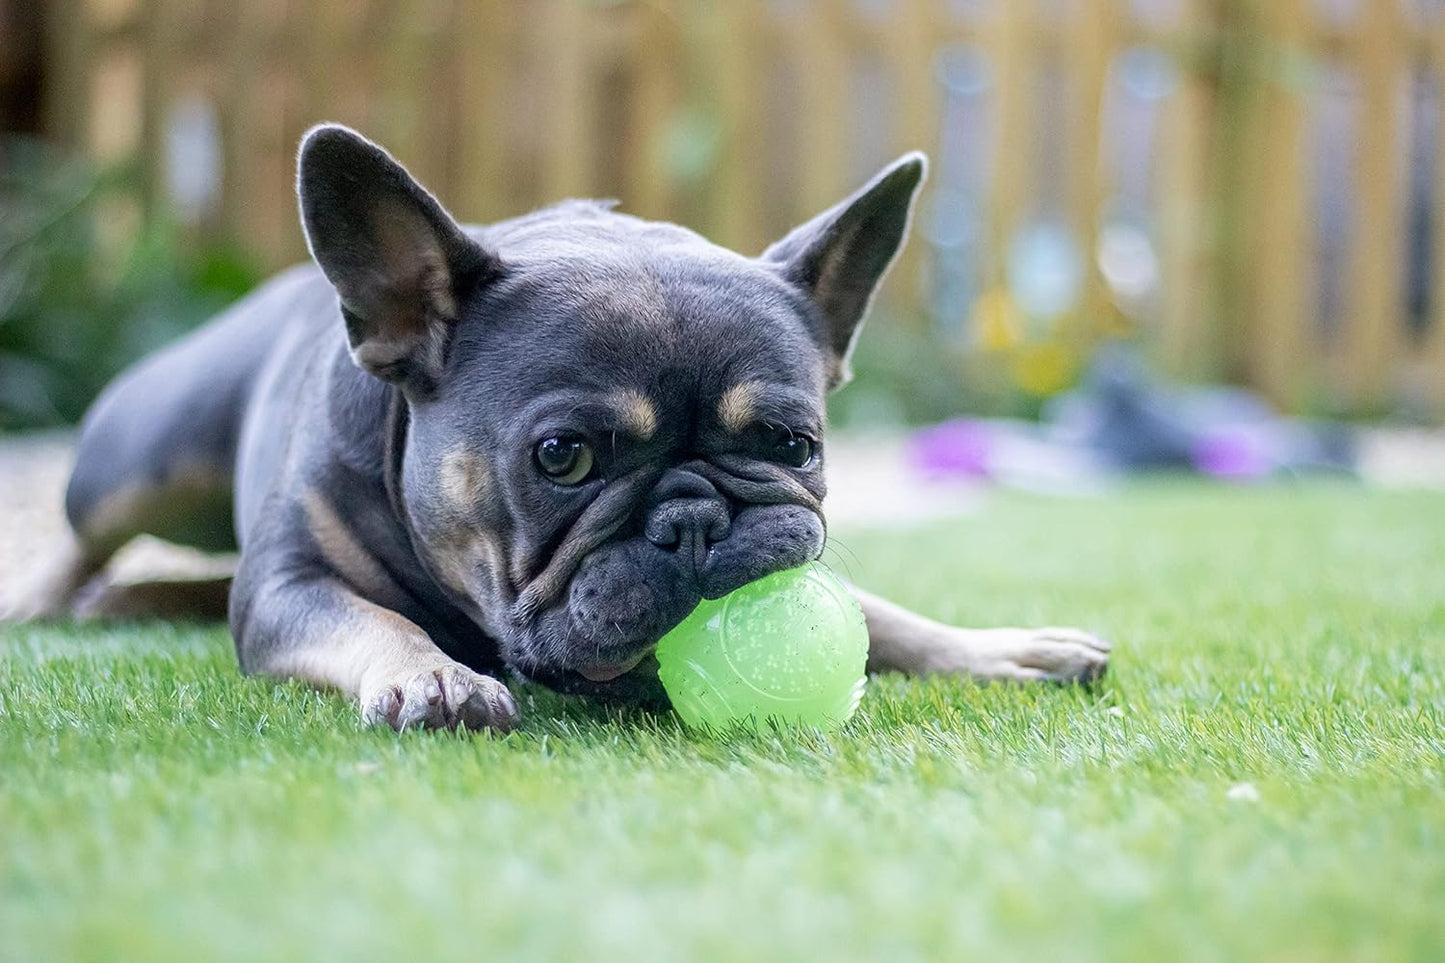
{"x":1235,"y":451}
{"x":953,"y":449}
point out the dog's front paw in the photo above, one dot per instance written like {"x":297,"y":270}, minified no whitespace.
{"x":21,"y":607}
{"x":439,"y":698}
{"x":1051,"y":655}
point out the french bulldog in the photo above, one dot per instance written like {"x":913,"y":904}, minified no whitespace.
{"x":444,"y":452}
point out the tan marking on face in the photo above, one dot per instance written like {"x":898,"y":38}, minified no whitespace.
{"x":461,"y":555}
{"x":347,"y":556}
{"x":738,"y":406}
{"x":381,"y":352}
{"x":637,"y":411}
{"x":465,"y":479}
{"x":464,"y":563}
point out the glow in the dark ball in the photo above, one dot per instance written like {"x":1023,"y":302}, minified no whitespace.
{"x":791,"y":647}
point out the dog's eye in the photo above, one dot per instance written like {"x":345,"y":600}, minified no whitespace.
{"x":790,"y":448}
{"x":564,"y":459}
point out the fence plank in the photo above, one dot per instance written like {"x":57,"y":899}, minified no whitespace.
{"x":1280,"y":349}
{"x":320,"y":29}
{"x":1189,"y":124}
{"x":405,"y":96}
{"x":913,"y":47}
{"x":735,"y":190}
{"x":242,"y":162}
{"x":1431,"y":354}
{"x":655,"y":99}
{"x":1091,"y":48}
{"x":69,"y":61}
{"x":1008,"y":37}
{"x":1374,"y":333}
{"x":486,"y":69}
{"x":820,"y":40}
{"x":569,"y":144}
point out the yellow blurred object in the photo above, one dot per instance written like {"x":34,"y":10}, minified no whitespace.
{"x":1043,"y":369}
{"x":997,"y":319}
{"x":1114,"y":323}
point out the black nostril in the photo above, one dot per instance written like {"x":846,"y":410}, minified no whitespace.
{"x":690,"y":520}
{"x":662,"y":532}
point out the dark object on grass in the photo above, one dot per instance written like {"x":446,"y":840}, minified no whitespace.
{"x":1123,"y":420}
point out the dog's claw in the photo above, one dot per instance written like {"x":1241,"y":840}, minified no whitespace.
{"x":441,"y":698}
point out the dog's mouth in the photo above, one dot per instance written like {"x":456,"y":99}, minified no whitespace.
{"x":588,"y":623}
{"x":607,"y":671}
{"x":631,"y":682}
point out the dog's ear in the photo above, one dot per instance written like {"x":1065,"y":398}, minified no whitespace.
{"x":395,"y":256}
{"x":839,"y":257}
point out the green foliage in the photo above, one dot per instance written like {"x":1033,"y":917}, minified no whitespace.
{"x":73,"y":309}
{"x":79,"y":302}
{"x":155,"y":805}
{"x":903,"y":375}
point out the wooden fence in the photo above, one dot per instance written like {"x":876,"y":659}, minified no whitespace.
{"x":1249,"y":185}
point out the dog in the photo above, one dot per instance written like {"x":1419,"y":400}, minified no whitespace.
{"x":445,"y":452}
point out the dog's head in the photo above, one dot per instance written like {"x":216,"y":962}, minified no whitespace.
{"x":610,"y":418}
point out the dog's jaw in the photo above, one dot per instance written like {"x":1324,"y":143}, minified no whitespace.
{"x":607,"y":672}
{"x":628,"y":593}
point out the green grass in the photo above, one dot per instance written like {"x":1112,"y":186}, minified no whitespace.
{"x":154,"y":805}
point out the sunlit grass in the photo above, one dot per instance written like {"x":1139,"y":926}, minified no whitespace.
{"x":155,"y":805}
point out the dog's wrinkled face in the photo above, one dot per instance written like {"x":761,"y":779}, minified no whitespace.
{"x":621,"y":429}
{"x":610,"y":419}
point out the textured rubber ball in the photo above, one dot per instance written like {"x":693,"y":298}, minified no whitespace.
{"x":790,"y":648}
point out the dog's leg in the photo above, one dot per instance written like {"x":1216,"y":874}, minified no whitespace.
{"x":50,"y":591}
{"x":315,"y":629}
{"x":902,"y":641}
{"x":105,"y":513}
{"x":192,"y":599}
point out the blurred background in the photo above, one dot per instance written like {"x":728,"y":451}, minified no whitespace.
{"x":1240,"y":191}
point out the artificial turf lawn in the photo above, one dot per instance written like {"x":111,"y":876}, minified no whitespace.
{"x":155,"y":805}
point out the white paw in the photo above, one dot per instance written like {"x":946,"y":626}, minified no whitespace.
{"x":31,"y":607}
{"x":439,"y":698}
{"x":1048,"y":654}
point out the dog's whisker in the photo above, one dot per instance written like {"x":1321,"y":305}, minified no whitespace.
{"x":838,"y":547}
{"x":839,"y":562}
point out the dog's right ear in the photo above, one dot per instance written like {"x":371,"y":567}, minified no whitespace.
{"x":395,"y":256}
{"x":839,"y":257}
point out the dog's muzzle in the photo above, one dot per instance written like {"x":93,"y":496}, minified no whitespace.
{"x":688,"y":516}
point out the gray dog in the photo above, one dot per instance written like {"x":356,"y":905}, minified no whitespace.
{"x":533,"y":445}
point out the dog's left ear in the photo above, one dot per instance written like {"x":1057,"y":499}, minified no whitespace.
{"x":839,"y":257}
{"x":395,"y":256}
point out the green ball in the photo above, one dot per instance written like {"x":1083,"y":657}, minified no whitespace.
{"x":791,"y":648}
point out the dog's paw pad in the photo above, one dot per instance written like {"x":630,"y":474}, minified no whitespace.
{"x":441,"y":698}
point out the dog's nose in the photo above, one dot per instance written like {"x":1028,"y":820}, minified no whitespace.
{"x":684,"y":523}
{"x":686,"y":513}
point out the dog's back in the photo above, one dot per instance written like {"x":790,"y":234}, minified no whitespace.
{"x":157,"y":450}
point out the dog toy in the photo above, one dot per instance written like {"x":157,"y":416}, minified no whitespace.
{"x":790,"y":648}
